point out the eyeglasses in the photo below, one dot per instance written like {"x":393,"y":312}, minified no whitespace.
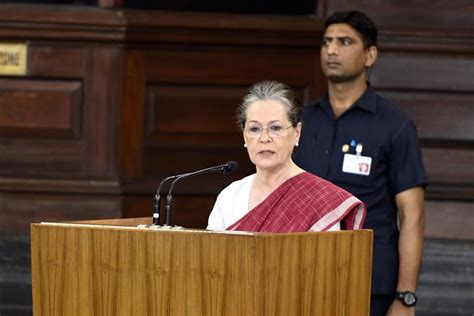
{"x":273,"y":130}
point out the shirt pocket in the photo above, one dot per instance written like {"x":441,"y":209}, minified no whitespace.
{"x":377,"y":168}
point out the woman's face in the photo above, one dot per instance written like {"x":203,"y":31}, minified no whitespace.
{"x":269,"y":135}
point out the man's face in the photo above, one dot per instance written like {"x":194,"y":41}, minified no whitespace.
{"x":343,"y":54}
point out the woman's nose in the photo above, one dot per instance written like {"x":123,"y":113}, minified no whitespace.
{"x":265,"y":136}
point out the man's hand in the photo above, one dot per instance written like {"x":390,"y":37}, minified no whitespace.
{"x":398,"y":309}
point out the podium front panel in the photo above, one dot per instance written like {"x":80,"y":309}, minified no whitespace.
{"x":100,"y":269}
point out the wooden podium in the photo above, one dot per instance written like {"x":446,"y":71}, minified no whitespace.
{"x":114,"y":267}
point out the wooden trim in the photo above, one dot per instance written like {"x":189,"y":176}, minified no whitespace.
{"x":59,"y":185}
{"x":438,"y":191}
{"x":101,"y":23}
{"x":427,"y":41}
{"x":23,"y":16}
{"x":321,"y":7}
{"x":111,"y":4}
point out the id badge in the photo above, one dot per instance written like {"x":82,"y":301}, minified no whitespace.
{"x":357,"y":164}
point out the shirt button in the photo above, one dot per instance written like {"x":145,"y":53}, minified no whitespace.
{"x":326,"y":152}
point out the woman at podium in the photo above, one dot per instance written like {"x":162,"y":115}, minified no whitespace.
{"x":280,"y":196}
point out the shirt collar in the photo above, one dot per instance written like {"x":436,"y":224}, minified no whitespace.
{"x":367,"y":102}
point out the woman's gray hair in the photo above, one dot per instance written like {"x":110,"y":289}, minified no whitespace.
{"x":271,"y":90}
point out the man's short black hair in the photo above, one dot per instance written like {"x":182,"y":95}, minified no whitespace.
{"x":358,"y":21}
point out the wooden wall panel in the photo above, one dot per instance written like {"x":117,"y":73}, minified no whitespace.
{"x":39,"y":158}
{"x":169,"y":120}
{"x":235,"y":30}
{"x":231,"y":65}
{"x":449,"y":166}
{"x":52,"y":60}
{"x":214,"y":80}
{"x":424,"y":71}
{"x":21,"y":209}
{"x":132,"y":115}
{"x":61,"y":121}
{"x":449,"y":219}
{"x":58,"y":131}
{"x":190,"y":98}
{"x":102,"y":98}
{"x":45,"y":109}
{"x":438,"y":115}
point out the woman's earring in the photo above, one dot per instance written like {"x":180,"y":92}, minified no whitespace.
{"x":297,"y":143}
{"x":245,"y":145}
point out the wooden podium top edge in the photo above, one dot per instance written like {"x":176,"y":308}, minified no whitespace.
{"x":139,"y":227}
{"x":138,"y":224}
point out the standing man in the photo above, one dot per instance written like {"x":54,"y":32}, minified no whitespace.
{"x":362,"y":143}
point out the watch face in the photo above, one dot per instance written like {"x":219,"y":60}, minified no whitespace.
{"x":409,"y":298}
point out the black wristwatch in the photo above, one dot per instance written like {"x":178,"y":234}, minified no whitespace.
{"x":407,"y":298}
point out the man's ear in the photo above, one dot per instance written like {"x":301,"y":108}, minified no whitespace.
{"x":371,"y":56}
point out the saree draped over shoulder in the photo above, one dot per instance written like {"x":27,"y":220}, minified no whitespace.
{"x":302,"y":203}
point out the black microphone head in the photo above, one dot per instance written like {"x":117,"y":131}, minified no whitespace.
{"x":230,"y":167}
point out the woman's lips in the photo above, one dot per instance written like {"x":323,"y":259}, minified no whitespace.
{"x":266,"y":152}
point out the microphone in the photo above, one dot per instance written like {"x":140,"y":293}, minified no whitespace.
{"x":157,"y":203}
{"x":226,"y":168}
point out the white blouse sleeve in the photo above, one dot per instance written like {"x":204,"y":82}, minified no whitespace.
{"x":216,"y":219}
{"x":231,"y":204}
